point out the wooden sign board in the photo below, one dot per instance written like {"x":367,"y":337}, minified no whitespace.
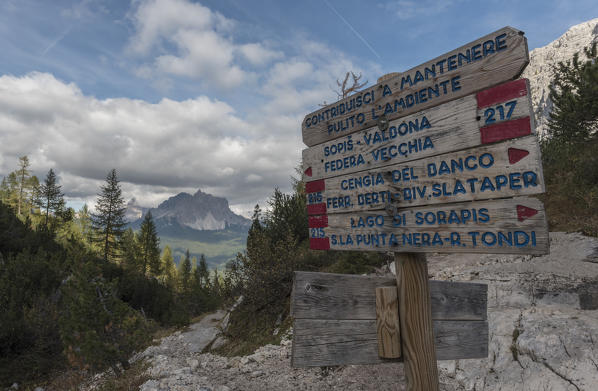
{"x":483,"y":63}
{"x":507,"y":226}
{"x":335,"y":319}
{"x":495,"y":114}
{"x":511,"y":168}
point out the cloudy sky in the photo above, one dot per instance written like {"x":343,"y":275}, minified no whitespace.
{"x":179,"y":95}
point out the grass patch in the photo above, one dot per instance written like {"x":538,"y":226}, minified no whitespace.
{"x":250,"y":331}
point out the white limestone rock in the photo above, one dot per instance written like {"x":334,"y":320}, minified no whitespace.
{"x":539,"y":70}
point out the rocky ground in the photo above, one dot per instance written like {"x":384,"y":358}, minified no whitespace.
{"x":543,"y":319}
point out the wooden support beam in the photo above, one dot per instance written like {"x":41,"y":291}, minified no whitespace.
{"x":387,"y":322}
{"x":415,"y":316}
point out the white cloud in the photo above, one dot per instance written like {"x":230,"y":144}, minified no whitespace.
{"x":185,"y":39}
{"x":203,"y":55}
{"x":156,"y":20}
{"x":160,"y":149}
{"x":258,"y":55}
{"x":157,"y":148}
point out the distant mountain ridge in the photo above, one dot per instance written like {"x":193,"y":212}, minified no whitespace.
{"x":200,"y":211}
{"x":134,"y":211}
{"x":201,"y":223}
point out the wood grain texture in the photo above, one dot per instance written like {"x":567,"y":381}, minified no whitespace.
{"x":415,"y":317}
{"x":509,"y":226}
{"x":331,"y":296}
{"x":435,"y":180}
{"x":455,"y":338}
{"x":387,"y":322}
{"x":496,"y":67}
{"x":320,"y":342}
{"x":450,"y":127}
{"x":335,"y":319}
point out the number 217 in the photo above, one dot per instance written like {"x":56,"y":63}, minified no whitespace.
{"x":490,"y":112}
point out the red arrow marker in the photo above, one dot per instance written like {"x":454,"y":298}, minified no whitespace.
{"x":523,"y":212}
{"x":308,"y":171}
{"x":516,"y":155}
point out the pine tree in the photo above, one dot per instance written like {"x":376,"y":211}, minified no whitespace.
{"x":149,"y":244}
{"x":202,"y":271}
{"x":23,"y":176}
{"x":130,"y":251}
{"x":215,"y":284}
{"x":185,"y":272}
{"x":50,"y":198}
{"x":574,"y":93}
{"x":109,"y":219}
{"x":569,"y":157}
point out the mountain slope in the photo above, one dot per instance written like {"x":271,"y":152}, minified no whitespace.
{"x":539,"y":71}
{"x":201,"y":222}
{"x":200,"y":211}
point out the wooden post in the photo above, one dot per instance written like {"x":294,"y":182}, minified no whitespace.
{"x":387,"y":322}
{"x":415,"y":318}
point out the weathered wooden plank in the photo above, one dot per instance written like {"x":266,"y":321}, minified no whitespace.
{"x":343,"y":297}
{"x":318,"y":342}
{"x":453,"y":126}
{"x":485,"y":62}
{"x":415,"y":317}
{"x":456,"y":339}
{"x":387,"y":322}
{"x":508,"y":226}
{"x":511,"y":168}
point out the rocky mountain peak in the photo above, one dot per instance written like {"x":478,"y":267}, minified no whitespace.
{"x":539,"y":71}
{"x":200,"y":211}
{"x":134,"y":211}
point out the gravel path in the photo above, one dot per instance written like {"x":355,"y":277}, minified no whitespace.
{"x":543,"y":321}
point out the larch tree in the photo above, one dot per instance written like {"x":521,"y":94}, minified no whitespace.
{"x":168,"y":268}
{"x":84,"y":219}
{"x":23,"y":176}
{"x":109,"y":218}
{"x":130,"y":252}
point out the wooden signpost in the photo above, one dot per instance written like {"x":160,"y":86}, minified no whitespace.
{"x":511,"y":226}
{"x":495,"y":114}
{"x":440,"y":158}
{"x":480,"y":64}
{"x":511,"y":168}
